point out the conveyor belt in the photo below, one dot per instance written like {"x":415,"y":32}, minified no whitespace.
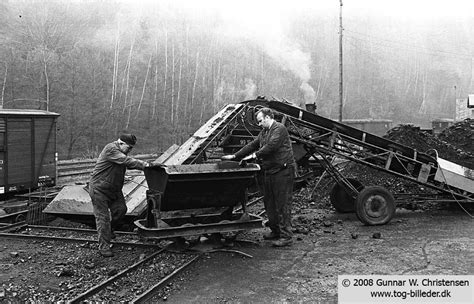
{"x":323,"y":136}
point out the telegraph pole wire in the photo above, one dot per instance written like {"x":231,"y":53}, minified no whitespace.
{"x":341,"y":83}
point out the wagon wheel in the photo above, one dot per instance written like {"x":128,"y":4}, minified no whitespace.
{"x":341,"y":200}
{"x":375,"y":206}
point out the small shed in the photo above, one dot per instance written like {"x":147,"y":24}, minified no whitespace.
{"x":27,"y":149}
{"x":375,"y":126}
{"x":438,"y":125}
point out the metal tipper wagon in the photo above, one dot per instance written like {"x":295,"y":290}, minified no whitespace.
{"x":186,"y":200}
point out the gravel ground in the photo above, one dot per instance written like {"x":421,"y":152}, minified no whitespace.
{"x":53,"y":271}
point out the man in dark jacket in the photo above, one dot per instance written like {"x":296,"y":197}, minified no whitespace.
{"x":105,"y":187}
{"x":273,"y":148}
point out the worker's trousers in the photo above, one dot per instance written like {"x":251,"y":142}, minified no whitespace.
{"x":106,"y":205}
{"x":277,"y":198}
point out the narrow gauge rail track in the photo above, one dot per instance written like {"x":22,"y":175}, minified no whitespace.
{"x":21,"y":230}
{"x":136,"y":283}
{"x":159,"y":267}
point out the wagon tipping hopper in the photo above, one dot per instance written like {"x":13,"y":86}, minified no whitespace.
{"x":185,"y":200}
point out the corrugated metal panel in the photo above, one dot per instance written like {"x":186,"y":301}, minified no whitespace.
{"x":3,"y":125}
{"x":19,"y":150}
{"x":45,"y":144}
{"x":28,"y":143}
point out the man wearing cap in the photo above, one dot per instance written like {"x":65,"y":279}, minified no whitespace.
{"x":105,"y":187}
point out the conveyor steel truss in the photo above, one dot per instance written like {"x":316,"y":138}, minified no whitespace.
{"x":224,"y":126}
{"x":326,"y":139}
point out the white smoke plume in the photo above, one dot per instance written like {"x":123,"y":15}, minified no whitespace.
{"x":263,"y":23}
{"x":308,"y":93}
{"x":250,"y":89}
{"x":268,"y":32}
{"x":290,"y":57}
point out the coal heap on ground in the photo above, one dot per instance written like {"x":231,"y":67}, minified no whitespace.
{"x":460,"y":135}
{"x":454,"y":146}
{"x":422,"y":141}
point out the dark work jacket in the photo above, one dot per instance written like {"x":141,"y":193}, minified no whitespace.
{"x":109,"y":171}
{"x":272,"y":147}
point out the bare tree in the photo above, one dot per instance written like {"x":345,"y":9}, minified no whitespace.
{"x":178,"y":94}
{"x":4,"y":85}
{"x":130,"y":105}
{"x":173,"y":63}
{"x":165,"y":77}
{"x":116,"y":61}
{"x":144,"y":86}
{"x":127,"y":68}
{"x":155,"y":97}
{"x":193,"y":91}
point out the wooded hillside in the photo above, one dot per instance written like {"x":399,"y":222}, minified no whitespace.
{"x":162,"y":71}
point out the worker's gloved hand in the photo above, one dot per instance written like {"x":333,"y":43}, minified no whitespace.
{"x":249,"y":157}
{"x":154,"y":165}
{"x":228,"y":157}
{"x":243,"y":162}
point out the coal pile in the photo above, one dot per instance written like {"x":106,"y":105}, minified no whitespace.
{"x":423,"y":141}
{"x":460,"y":135}
{"x":456,"y":149}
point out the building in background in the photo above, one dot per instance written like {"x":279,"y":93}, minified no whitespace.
{"x":375,"y":126}
{"x":465,"y":108}
{"x":438,"y":125}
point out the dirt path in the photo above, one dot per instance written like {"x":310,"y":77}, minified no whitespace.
{"x":435,"y":242}
{"x":330,"y":244}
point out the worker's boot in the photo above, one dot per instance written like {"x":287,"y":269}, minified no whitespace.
{"x":106,"y":253}
{"x":273,"y":235}
{"x":282,"y":242}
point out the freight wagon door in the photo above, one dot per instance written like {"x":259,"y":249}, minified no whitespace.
{"x":19,"y":151}
{"x":45,"y":151}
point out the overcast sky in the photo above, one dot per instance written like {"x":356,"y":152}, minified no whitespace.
{"x":412,"y":8}
{"x":251,"y":17}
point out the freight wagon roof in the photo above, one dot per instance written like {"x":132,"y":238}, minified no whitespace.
{"x":26,"y":112}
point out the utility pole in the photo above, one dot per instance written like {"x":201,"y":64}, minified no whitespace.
{"x":455,"y":103}
{"x":341,"y":87}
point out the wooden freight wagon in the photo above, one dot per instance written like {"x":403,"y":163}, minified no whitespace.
{"x":27,"y":149}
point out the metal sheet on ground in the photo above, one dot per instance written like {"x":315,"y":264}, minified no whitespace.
{"x":75,"y":200}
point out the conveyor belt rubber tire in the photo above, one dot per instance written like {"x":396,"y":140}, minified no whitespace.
{"x":341,"y":200}
{"x":375,"y":205}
